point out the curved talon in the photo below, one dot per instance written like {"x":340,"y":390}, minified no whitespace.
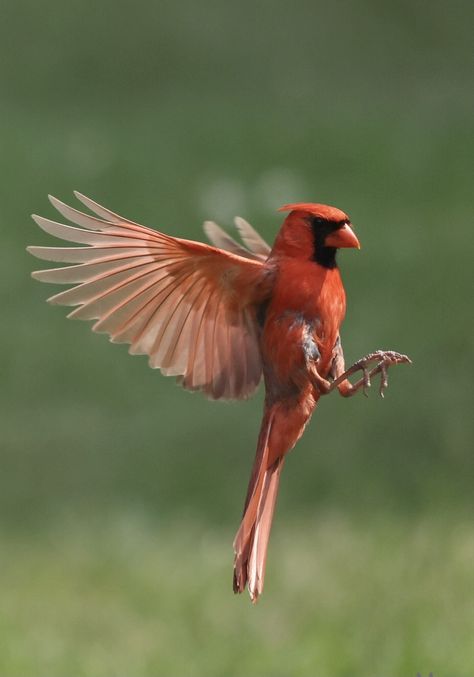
{"x":383,"y":359}
{"x":383,"y":378}
{"x":367,"y":382}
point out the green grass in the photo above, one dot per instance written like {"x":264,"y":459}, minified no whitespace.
{"x":123,"y":595}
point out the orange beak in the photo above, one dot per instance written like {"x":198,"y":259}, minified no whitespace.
{"x":342,"y":237}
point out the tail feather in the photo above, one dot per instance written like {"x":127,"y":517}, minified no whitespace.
{"x":251,"y":541}
{"x":263,"y":525}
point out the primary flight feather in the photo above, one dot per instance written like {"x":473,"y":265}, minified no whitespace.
{"x":218,"y":318}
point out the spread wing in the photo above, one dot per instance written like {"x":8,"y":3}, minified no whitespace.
{"x":189,"y":306}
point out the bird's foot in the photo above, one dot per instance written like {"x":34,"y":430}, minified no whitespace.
{"x":384,"y":359}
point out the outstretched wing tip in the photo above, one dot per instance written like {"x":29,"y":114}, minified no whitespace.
{"x":39,"y":220}
{"x":58,"y":204}
{"x":80,"y":196}
{"x":37,"y":251}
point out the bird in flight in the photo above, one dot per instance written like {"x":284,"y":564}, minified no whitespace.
{"x":220,"y":317}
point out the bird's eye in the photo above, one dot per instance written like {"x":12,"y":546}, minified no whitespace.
{"x":318,"y":221}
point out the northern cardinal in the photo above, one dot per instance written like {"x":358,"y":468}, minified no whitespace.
{"x":217,"y":318}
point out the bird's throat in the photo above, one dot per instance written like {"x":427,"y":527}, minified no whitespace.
{"x":325,"y":256}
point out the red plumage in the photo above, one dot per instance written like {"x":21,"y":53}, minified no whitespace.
{"x":218,"y":318}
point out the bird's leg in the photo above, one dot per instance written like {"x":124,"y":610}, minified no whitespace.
{"x":339,"y":375}
{"x":383,"y":359}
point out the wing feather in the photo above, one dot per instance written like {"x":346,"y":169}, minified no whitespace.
{"x":251,"y":238}
{"x":220,"y":238}
{"x":101,"y":211}
{"x":88,"y":271}
{"x":255,"y":246}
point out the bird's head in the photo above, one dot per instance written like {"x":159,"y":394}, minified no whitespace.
{"x":314,"y":232}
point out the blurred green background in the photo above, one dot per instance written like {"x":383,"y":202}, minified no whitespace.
{"x":120,"y":493}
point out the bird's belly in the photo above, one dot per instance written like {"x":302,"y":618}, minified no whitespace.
{"x":301,"y":324}
{"x":290,"y":342}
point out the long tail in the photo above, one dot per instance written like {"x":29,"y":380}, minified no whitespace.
{"x":251,"y":541}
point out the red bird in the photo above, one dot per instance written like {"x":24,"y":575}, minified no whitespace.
{"x":219,"y":318}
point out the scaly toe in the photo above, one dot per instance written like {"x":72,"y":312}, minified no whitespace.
{"x":367,"y":382}
{"x":383,"y":379}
